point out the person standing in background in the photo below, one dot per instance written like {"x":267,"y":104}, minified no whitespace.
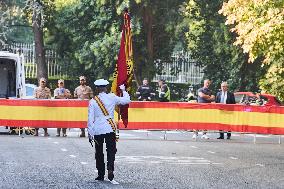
{"x":144,"y":92}
{"x":42,"y":92}
{"x":83,"y":92}
{"x":225,"y":97}
{"x":164,"y":91}
{"x":205,"y":95}
{"x":61,"y":93}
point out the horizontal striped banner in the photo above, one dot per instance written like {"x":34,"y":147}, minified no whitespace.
{"x":190,"y":116}
{"x":146,"y":115}
{"x":67,"y":113}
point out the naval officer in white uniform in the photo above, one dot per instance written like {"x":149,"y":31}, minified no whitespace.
{"x":101,"y":125}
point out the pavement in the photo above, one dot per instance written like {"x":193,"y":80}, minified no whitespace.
{"x":145,"y":159}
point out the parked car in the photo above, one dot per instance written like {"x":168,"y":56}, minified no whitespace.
{"x":270,"y":100}
{"x":251,"y":98}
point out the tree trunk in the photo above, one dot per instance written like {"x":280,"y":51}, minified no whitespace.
{"x":39,"y":49}
{"x":148,"y":25}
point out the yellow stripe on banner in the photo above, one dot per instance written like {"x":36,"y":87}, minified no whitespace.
{"x":44,"y":113}
{"x":206,"y":116}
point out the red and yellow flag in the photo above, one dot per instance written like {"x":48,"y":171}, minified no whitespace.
{"x":124,"y":67}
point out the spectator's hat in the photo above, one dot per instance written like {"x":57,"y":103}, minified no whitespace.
{"x":60,"y":81}
{"x":101,"y":83}
{"x":42,"y":80}
{"x":82,"y":78}
{"x":162,"y":80}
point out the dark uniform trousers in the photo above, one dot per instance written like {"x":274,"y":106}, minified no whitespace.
{"x":110,"y":141}
{"x":222,"y":134}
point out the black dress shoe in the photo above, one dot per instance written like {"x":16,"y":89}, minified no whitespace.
{"x":101,"y":178}
{"x":220,"y":138}
{"x":110,"y":175}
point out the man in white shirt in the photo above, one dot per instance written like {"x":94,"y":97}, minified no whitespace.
{"x":101,"y":125}
{"x":225,"y":97}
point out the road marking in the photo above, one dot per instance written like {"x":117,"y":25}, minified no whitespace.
{"x":155,"y":162}
{"x":177,"y":142}
{"x":84,"y":163}
{"x":161,"y":137}
{"x":48,"y":138}
{"x":193,"y":146}
{"x":64,"y":150}
{"x":73,"y":156}
{"x":211,"y":152}
{"x":126,"y":135}
{"x":140,"y":131}
{"x":165,"y":160}
{"x":56,"y":142}
{"x":233,"y":157}
{"x":173,"y":132}
{"x":263,"y":136}
{"x":236,"y":135}
{"x":258,"y":164}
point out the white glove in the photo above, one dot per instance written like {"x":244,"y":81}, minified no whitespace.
{"x":122,"y":87}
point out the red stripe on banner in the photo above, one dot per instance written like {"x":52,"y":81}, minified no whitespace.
{"x":44,"y":124}
{"x":200,"y":126}
{"x":226,"y":107}
{"x":47,"y":102}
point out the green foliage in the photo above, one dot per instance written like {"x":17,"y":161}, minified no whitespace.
{"x":87,"y":36}
{"x":39,"y":12}
{"x":156,"y":31}
{"x":273,"y":82}
{"x":211,"y":45}
{"x":259,"y":25}
{"x":13,"y":27}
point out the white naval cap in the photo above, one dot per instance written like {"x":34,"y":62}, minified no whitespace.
{"x":101,"y":82}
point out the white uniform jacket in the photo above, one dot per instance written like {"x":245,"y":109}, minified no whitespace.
{"x":97,"y":121}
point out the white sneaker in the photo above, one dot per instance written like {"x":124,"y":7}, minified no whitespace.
{"x":194,"y":136}
{"x":204,"y":137}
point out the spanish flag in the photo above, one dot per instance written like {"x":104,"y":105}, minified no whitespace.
{"x":124,"y":67}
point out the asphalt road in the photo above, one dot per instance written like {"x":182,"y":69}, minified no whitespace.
{"x":144,"y":160}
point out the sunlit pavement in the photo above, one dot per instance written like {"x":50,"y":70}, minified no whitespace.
{"x":145,"y":159}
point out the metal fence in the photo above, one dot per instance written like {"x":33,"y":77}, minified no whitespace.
{"x":181,"y":69}
{"x":51,"y":58}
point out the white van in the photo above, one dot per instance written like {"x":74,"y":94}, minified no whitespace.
{"x":12,"y":75}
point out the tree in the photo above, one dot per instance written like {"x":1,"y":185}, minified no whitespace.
{"x":154,"y":26}
{"x":88,"y":34}
{"x":259,"y":26}
{"x":211,"y":45}
{"x":10,"y":16}
{"x":39,"y":12}
{"x":4,"y":29}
